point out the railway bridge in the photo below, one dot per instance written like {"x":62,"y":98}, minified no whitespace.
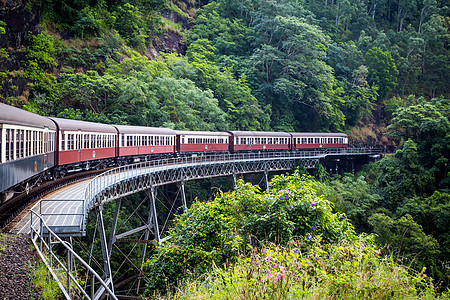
{"x":63,"y":214}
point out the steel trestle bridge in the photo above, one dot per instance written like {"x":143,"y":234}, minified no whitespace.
{"x":47,"y":221}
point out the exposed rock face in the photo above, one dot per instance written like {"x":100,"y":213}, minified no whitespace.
{"x":22,"y":21}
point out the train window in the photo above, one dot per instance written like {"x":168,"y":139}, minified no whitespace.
{"x":27,"y":143}
{"x":63,"y":141}
{"x":129,"y":141}
{"x":330,"y":141}
{"x":341,"y":140}
{"x":86,"y":141}
{"x":70,"y":141}
{"x":7,"y":143}
{"x":34,"y":142}
{"x":17,"y":144}
{"x":15,"y":133}
{"x":52,"y":140}
{"x":40,"y":139}
{"x":45,"y":142}
{"x":22,"y":142}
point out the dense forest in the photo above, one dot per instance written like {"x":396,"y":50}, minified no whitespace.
{"x":378,"y":70}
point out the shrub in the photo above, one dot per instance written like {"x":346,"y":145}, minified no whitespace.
{"x":347,"y":270}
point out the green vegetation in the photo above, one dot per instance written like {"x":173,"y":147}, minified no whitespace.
{"x":225,"y":248}
{"x":378,"y":70}
{"x":347,"y":270}
{"x":44,"y":282}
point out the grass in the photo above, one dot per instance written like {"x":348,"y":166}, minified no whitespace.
{"x":349,"y":270}
{"x":43,"y":280}
{"x":171,"y":26}
{"x":3,"y":242}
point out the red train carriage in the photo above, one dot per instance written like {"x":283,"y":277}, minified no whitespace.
{"x":202,"y":141}
{"x":259,"y":141}
{"x":311,"y":140}
{"x":84,"y":144}
{"x":135,"y":141}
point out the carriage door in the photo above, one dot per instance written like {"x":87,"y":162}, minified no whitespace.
{"x":78,"y":143}
{"x":178,"y":143}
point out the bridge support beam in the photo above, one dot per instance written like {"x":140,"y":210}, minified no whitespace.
{"x":183,"y":195}
{"x":266,"y":179}
{"x":112,"y":238}
{"x":107,"y":264}
{"x":153,"y":215}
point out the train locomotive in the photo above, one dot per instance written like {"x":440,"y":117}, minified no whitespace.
{"x":35,"y":148}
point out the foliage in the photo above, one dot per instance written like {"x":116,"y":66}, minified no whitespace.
{"x":213,"y":232}
{"x":382,"y":70}
{"x":347,"y":270}
{"x":44,"y":282}
{"x":405,"y":237}
{"x":2,"y":27}
{"x":353,"y":196}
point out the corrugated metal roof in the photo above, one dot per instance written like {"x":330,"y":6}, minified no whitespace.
{"x":203,"y":133}
{"x":143,"y":130}
{"x":17,"y":116}
{"x":260,"y":133}
{"x":75,"y":125}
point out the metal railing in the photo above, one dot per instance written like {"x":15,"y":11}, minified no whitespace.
{"x":80,"y":214}
{"x":108,"y":178}
{"x":47,"y":243}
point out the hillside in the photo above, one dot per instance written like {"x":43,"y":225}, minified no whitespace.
{"x":377,"y":70}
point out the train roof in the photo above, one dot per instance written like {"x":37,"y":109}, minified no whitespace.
{"x":76,"y":125}
{"x":317,"y":134}
{"x":126,"y":129}
{"x":202,"y":133}
{"x":13,"y":115}
{"x":260,"y":133}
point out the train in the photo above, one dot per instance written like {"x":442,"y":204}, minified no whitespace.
{"x":34,"y":149}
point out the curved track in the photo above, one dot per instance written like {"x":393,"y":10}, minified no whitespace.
{"x":11,"y":208}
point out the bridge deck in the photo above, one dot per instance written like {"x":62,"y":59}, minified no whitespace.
{"x":65,"y":210}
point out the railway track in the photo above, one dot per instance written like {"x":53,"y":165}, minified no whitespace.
{"x":10,"y":209}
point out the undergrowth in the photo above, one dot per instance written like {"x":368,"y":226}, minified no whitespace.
{"x":347,"y":270}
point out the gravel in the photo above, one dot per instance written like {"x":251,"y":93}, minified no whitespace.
{"x":16,"y":259}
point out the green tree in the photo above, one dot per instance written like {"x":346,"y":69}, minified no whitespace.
{"x":406,"y":238}
{"x":382,"y":71}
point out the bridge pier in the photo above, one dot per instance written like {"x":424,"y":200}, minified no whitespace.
{"x":183,"y":195}
{"x":266,"y":179}
{"x":107,"y":276}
